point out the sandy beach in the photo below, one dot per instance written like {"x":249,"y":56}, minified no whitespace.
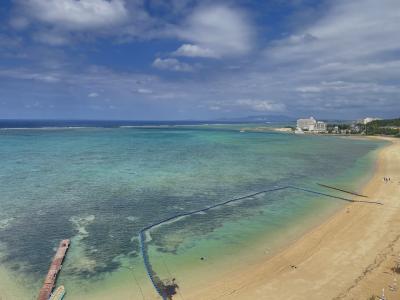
{"x":349,"y":256}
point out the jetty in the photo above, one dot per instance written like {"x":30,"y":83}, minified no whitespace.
{"x":341,"y":190}
{"x":55,"y":267}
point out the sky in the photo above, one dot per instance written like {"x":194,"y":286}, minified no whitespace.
{"x":199,"y":60}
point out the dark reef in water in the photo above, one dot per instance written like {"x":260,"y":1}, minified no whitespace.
{"x":31,"y":238}
{"x":30,"y":241}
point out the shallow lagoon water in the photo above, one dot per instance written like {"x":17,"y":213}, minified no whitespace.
{"x":100,"y":186}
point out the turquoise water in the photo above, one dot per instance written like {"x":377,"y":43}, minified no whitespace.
{"x":100,"y":186}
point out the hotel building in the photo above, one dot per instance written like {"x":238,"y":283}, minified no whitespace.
{"x":311,"y":125}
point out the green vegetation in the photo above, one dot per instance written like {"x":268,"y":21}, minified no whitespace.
{"x":386,"y":123}
{"x":379,"y":127}
{"x":384,"y":127}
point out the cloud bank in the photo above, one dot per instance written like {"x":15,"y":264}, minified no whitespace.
{"x":210,"y":59}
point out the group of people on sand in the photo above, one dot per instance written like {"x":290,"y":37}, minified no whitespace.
{"x":386,"y":179}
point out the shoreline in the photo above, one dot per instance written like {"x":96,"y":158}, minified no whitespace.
{"x":333,"y":260}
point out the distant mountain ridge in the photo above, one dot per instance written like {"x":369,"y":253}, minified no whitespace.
{"x":261,"y":118}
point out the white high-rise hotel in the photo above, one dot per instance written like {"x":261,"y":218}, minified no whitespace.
{"x":311,"y":125}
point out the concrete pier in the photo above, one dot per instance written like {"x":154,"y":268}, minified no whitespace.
{"x":55,"y":267}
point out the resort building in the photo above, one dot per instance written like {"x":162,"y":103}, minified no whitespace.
{"x":336,"y":129}
{"x":306,"y":124}
{"x":320,"y":126}
{"x":311,"y":125}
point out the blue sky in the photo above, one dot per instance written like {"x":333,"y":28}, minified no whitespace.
{"x":187,"y":59}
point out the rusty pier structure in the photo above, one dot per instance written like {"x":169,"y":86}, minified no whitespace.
{"x":55,"y":267}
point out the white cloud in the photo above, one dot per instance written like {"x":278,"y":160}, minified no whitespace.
{"x":189,"y":50}
{"x":308,"y":89}
{"x":93,"y":95}
{"x":171,"y":64}
{"x":77,"y":15}
{"x":36,"y":104}
{"x":144,"y":91}
{"x":345,"y":87}
{"x":215,"y":107}
{"x":221,"y":29}
{"x":28,"y":75}
{"x":246,"y":105}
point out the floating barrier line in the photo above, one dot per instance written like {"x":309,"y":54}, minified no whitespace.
{"x":143,"y":247}
{"x":149,"y":269}
{"x":344,"y":191}
{"x":336,"y":197}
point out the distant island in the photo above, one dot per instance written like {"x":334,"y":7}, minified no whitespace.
{"x":259,"y":119}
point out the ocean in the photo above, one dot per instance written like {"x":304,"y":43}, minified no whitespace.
{"x":100,"y":183}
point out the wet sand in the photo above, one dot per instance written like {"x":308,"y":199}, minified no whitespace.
{"x":349,"y":256}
